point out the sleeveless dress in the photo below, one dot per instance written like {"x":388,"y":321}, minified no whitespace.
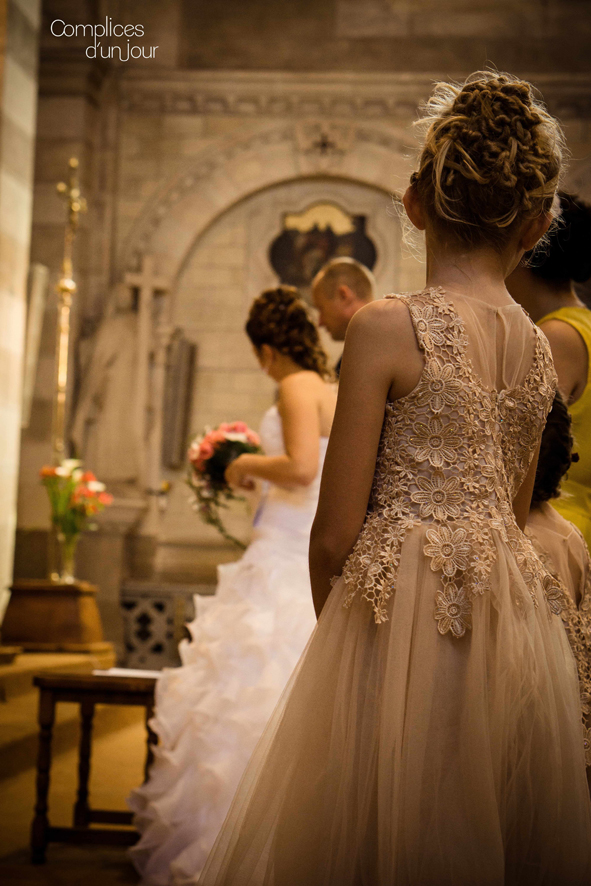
{"x":431,"y":733}
{"x":575,"y":502}
{"x":211,"y":711}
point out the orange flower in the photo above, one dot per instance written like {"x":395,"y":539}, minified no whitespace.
{"x":47,"y":471}
{"x":87,"y":476}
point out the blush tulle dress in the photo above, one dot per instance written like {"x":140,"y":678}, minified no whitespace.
{"x":431,"y":733}
{"x":211,"y":711}
{"x":562,"y":549}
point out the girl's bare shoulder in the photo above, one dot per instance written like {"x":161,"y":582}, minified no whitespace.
{"x":382,"y":319}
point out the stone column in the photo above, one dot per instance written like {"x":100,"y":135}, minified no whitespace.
{"x":19,"y":29}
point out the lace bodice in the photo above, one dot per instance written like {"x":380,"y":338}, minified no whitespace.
{"x":452,"y":455}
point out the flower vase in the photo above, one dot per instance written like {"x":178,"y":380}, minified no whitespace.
{"x":67,"y":546}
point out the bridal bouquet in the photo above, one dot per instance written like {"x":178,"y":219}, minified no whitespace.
{"x":75,"y":496}
{"x":209,"y":455}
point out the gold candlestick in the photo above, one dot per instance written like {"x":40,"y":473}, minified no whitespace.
{"x":66,"y":288}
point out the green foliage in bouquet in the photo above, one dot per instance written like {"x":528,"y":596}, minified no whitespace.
{"x":209,"y":456}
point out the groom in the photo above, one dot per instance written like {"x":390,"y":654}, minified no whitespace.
{"x":339,"y":290}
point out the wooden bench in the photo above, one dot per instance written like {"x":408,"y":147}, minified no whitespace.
{"x":86,"y":690}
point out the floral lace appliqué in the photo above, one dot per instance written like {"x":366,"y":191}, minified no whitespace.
{"x":451,"y":456}
{"x":448,"y":549}
{"x":452,"y":611}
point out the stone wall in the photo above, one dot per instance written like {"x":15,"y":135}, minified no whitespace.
{"x":442,"y":36}
{"x":19,"y":24}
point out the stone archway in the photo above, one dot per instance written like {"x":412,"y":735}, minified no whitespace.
{"x":224,"y":174}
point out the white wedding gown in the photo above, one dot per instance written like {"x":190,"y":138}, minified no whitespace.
{"x":211,"y":711}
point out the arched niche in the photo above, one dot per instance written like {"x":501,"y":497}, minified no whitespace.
{"x":223,"y":174}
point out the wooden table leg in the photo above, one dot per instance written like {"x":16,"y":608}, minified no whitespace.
{"x":152,"y":739}
{"x":40,"y":822}
{"x":81,"y":810}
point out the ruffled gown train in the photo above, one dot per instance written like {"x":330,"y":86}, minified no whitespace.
{"x":211,"y":711}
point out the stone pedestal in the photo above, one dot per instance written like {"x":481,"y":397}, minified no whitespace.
{"x":46,"y":616}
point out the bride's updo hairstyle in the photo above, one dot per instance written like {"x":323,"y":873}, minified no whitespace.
{"x":279,"y":318}
{"x":492,"y":158}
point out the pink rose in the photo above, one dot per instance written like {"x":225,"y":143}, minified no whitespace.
{"x":253,"y":438}
{"x":205,"y":450}
{"x":239,"y":427}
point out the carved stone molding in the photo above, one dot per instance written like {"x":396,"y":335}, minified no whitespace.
{"x":262,"y":94}
{"x":359,"y":96}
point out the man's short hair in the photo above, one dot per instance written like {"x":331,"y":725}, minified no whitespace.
{"x":349,"y":272}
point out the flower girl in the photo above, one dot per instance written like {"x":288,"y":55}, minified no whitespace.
{"x":431,"y":734}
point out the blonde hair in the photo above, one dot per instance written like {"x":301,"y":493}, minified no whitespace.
{"x":492,"y":157}
{"x":349,"y":271}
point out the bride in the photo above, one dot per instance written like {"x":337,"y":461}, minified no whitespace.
{"x":247,"y":639}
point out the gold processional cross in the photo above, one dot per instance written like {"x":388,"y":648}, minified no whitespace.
{"x":66,"y":288}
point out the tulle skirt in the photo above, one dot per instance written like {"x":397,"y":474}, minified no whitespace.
{"x":211,"y":711}
{"x":402,"y":757}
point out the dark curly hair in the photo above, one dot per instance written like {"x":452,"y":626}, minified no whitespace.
{"x":567,"y":252}
{"x":279,"y":317}
{"x":556,"y":453}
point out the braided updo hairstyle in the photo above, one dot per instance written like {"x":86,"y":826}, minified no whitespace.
{"x":492,"y":157}
{"x":279,"y":318}
{"x":556,"y":453}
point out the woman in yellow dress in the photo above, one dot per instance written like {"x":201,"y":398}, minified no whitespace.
{"x":546,"y":290}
